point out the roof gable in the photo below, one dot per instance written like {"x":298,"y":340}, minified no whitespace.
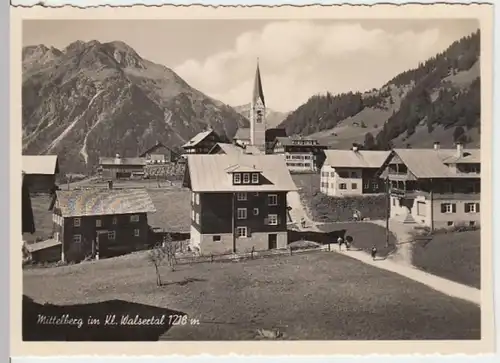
{"x":209,"y":173}
{"x":199,"y":137}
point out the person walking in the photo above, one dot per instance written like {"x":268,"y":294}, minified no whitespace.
{"x":374,"y":252}
{"x":303,"y":222}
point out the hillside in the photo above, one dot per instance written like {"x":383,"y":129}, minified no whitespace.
{"x":99,"y":99}
{"x":273,"y":118}
{"x":414,"y":109}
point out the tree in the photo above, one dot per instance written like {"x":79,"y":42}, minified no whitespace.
{"x":363,"y":125}
{"x":159,"y":253}
{"x":459,"y":134}
{"x":369,"y":141}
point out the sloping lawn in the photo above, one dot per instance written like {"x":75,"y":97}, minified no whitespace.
{"x":365,"y":235}
{"x":173,"y":209}
{"x":313,"y":296}
{"x":455,"y":256}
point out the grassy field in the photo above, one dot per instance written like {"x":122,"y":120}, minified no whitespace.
{"x":364,"y":235}
{"x":173,"y":209}
{"x":455,"y":256}
{"x":313,"y":296}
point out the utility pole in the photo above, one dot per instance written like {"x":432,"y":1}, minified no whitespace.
{"x":387,"y":210}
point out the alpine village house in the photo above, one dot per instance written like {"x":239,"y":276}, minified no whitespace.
{"x":100,"y":222}
{"x":438,"y":188}
{"x":238,"y":202}
{"x":352,"y":172}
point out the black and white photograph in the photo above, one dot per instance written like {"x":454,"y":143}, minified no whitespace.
{"x":255,"y":179}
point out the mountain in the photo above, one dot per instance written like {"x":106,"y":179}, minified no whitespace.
{"x":96,"y":99}
{"x":437,"y":101}
{"x":273,"y":118}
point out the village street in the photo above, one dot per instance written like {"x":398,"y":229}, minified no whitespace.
{"x":399,"y":263}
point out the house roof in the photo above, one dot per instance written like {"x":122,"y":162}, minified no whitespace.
{"x":40,"y":164}
{"x":155,"y":147}
{"x":211,"y":173}
{"x":199,"y":137}
{"x":290,"y":141}
{"x":104,"y":160}
{"x":355,"y":159}
{"x":243,"y":133}
{"x":38,"y":246}
{"x":94,"y":202}
{"x":430,"y":163}
{"x":232,"y":148}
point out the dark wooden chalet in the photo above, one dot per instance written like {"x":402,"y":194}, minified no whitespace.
{"x":28,"y":221}
{"x":202,"y":143}
{"x":159,"y":154}
{"x":40,"y":172}
{"x":121,"y":168}
{"x":238,"y":202}
{"x":100,"y":222}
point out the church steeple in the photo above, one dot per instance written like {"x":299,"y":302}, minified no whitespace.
{"x":258,"y":113}
{"x":257,"y":87}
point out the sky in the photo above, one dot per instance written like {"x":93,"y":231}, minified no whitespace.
{"x":298,"y":58}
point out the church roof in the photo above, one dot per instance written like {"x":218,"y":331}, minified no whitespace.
{"x":257,"y":87}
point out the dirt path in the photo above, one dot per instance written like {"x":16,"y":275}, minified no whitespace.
{"x":399,"y":263}
{"x":445,"y":286}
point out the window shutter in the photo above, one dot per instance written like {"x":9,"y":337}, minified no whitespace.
{"x":466,"y":208}
{"x":454,"y":208}
{"x":477,"y":207}
{"x":443,"y":208}
{"x":279,"y":219}
{"x":266,"y":221}
{"x":249,"y":232}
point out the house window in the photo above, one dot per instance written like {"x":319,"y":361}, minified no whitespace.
{"x":216,"y":238}
{"x":448,"y":208}
{"x":197,"y":198}
{"x":77,"y":238}
{"x":136,"y":232}
{"x":332,"y":174}
{"x":449,"y":223}
{"x":192,"y":197}
{"x":471,"y":207}
{"x":256,"y":194}
{"x":272,"y":199}
{"x":241,"y":232}
{"x":393,"y":202}
{"x":272,"y":219}
{"x":255,"y":178}
{"x":342,"y":186}
{"x":241,"y":196}
{"x":111,"y":235}
{"x":354,"y":174}
{"x":242,"y":213}
{"x":366,"y":185}
{"x":354,"y":186}
{"x":236,"y":178}
{"x":134,"y":218}
{"x":246,"y":178}
{"x":77,"y":222}
{"x":197,"y":218}
{"x":472,"y":223}
{"x":374,"y":185}
{"x":256,"y":211}
{"x":98,"y":223}
{"x":115,"y":220}
{"x":192,"y":214}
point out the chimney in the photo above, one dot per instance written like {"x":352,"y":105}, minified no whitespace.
{"x":436,"y":145}
{"x":460,"y":149}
